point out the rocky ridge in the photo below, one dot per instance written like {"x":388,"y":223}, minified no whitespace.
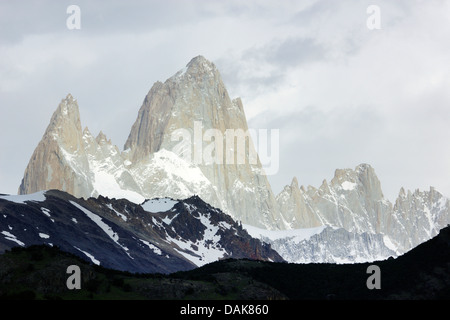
{"x":159,"y":235}
{"x":353,"y":207}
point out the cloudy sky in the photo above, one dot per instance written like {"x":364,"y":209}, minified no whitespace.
{"x":340,"y":93}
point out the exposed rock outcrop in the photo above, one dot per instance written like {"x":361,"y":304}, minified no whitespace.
{"x":353,"y":200}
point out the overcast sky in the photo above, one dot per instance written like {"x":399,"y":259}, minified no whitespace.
{"x":340,"y":93}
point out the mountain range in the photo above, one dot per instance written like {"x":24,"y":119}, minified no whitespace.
{"x":344,"y":220}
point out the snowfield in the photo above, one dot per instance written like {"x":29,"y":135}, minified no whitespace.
{"x":35,"y":197}
{"x":158,"y":205}
{"x":295,"y":235}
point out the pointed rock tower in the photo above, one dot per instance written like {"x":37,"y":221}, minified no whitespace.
{"x":296,"y":210}
{"x":195,"y":101}
{"x":351,"y":200}
{"x":72,"y":160}
{"x":59,"y":161}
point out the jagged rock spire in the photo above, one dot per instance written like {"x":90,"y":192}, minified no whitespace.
{"x":59,"y":158}
{"x":197,"y":94}
{"x":149,"y":166}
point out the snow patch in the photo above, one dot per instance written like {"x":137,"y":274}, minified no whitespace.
{"x":90,"y":256}
{"x":11,"y":237}
{"x":159,"y":205}
{"x":389,"y":244}
{"x":171,"y":174}
{"x":127,"y":163}
{"x":153,"y":247}
{"x":107,"y":185}
{"x":46,"y":212}
{"x":348,"y":186}
{"x":224,"y":225}
{"x":124,"y":217}
{"x":295,"y":235}
{"x":99,"y":222}
{"x":33,"y":197}
{"x":202,"y":251}
{"x":167,"y":220}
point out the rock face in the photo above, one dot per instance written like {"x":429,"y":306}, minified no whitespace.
{"x":161,"y":235}
{"x":296,"y":211}
{"x":60,"y":160}
{"x":196,"y":101}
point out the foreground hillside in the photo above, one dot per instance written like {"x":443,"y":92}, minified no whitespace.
{"x":39,"y":272}
{"x":157,"y":236}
